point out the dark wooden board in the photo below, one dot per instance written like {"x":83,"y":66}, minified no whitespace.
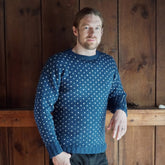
{"x":23,"y":48}
{"x":26,"y":146}
{"x":137,"y":51}
{"x":2,"y":58}
{"x":160,"y":52}
{"x":4,"y":149}
{"x":57,"y":21}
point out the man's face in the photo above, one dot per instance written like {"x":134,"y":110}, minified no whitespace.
{"x":89,"y":32}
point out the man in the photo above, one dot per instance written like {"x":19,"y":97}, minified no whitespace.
{"x":76,"y":88}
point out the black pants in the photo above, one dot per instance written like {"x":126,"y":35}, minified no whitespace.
{"x":87,"y":159}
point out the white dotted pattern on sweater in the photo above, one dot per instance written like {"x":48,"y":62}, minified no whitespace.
{"x":78,"y":92}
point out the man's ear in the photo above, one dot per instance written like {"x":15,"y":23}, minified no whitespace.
{"x":75,"y":31}
{"x":102,"y":31}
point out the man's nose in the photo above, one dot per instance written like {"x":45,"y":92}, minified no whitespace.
{"x":91,"y":31}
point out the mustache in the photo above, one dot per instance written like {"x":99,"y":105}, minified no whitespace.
{"x":91,"y":37}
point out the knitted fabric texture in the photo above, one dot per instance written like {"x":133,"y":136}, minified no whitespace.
{"x":73,"y":94}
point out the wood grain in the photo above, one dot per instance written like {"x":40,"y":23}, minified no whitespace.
{"x":160,"y":52}
{"x":137,"y":146}
{"x":2,"y":58}
{"x":16,"y":118}
{"x":23,"y":47}
{"x":4,"y":149}
{"x":112,"y":149}
{"x":143,"y":117}
{"x":26,"y":147}
{"x":57,"y":23}
{"x":137,"y":51}
{"x":46,"y":154}
{"x":160,"y":145}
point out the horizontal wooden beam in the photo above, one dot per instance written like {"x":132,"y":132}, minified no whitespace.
{"x":142,"y":117}
{"x":25,"y":118}
{"x":17,"y":118}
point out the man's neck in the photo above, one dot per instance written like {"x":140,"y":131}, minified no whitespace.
{"x":83,"y":51}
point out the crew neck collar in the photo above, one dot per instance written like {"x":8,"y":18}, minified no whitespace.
{"x":85,"y":57}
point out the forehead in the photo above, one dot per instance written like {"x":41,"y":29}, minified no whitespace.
{"x":90,"y":19}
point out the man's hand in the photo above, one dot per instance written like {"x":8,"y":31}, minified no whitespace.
{"x":62,"y":159}
{"x":119,"y":124}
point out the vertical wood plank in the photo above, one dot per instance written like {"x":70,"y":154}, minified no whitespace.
{"x":57,"y":26}
{"x":2,"y":58}
{"x":137,"y":146}
{"x":160,"y":52}
{"x":112,"y":149}
{"x":46,"y":157}
{"x":108,"y":9}
{"x":26,"y":147}
{"x":23,"y":36}
{"x":137,"y":50}
{"x":4,"y":153}
{"x":160,"y":145}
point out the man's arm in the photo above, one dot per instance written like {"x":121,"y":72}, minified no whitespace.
{"x":118,"y":106}
{"x":46,"y":96}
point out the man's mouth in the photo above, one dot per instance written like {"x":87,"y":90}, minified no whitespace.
{"x":91,"y":39}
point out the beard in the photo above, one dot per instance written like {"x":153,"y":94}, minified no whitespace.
{"x":89,"y":45}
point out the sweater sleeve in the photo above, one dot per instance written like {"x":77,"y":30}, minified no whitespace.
{"x":46,"y":96}
{"x":117,"y":95}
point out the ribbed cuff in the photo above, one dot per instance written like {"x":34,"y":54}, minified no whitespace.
{"x":54,"y":149}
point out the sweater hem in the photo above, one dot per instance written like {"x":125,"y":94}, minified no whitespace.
{"x":85,"y":150}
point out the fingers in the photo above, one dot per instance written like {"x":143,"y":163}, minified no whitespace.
{"x":69,"y":155}
{"x":118,"y":133}
{"x":110,"y":124}
{"x":62,"y":159}
{"x":116,"y":130}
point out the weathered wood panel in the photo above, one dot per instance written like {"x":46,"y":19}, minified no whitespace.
{"x":57,"y":26}
{"x":46,"y":157}
{"x":15,"y":118}
{"x":160,"y":145}
{"x":23,"y":47}
{"x":137,"y":51}
{"x":112,"y":148}
{"x":108,"y":9}
{"x":2,"y":58}
{"x":137,"y":146}
{"x":4,"y":152}
{"x":26,"y":147}
{"x":160,"y":52}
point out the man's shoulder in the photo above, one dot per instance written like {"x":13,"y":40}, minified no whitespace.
{"x":60,"y":55}
{"x":106,"y":57}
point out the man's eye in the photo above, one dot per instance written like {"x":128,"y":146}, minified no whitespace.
{"x":98,"y":28}
{"x":86,"y":27}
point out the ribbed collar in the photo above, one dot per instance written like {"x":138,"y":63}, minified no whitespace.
{"x":84,"y":57}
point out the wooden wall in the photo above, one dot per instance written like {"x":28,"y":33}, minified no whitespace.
{"x":33,"y":30}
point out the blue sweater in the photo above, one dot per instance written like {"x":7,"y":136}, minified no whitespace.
{"x":73,"y":94}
